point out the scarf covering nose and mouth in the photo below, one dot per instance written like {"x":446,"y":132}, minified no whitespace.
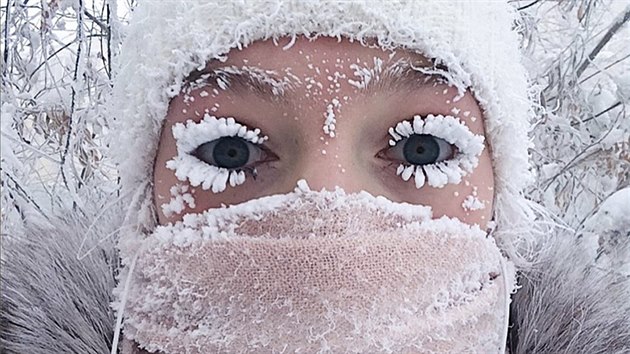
{"x":311,"y":272}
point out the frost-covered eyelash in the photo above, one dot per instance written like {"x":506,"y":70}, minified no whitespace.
{"x":189,"y":136}
{"x":453,"y":131}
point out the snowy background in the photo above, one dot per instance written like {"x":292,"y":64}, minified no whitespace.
{"x":57,"y":68}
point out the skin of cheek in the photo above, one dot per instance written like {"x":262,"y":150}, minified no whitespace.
{"x":352,"y":173}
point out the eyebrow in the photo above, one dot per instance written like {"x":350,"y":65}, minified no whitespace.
{"x":401,"y":76}
{"x":262,"y":83}
{"x":404,"y":76}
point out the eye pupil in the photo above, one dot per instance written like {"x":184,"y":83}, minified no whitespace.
{"x":230,"y":152}
{"x":227,"y":152}
{"x":421,"y":149}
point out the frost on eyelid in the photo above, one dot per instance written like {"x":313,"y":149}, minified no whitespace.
{"x":453,"y":131}
{"x":191,"y":135}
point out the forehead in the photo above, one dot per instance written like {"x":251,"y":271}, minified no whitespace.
{"x":318,"y":68}
{"x":307,"y":75}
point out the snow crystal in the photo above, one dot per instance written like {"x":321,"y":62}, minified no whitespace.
{"x":302,"y":186}
{"x":331,"y":120}
{"x":435,"y":177}
{"x":180,"y":199}
{"x":219,"y":222}
{"x":365,"y":74}
{"x":223,"y":83}
{"x":191,"y":135}
{"x":266,"y":77}
{"x":407,"y":172}
{"x":472,"y":203}
{"x":452,"y":130}
{"x":419,"y":177}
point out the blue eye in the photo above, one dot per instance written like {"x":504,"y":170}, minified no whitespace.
{"x":421,"y":149}
{"x":229,"y":152}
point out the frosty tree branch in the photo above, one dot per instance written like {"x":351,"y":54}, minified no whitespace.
{"x":74,"y":93}
{"x":609,"y":34}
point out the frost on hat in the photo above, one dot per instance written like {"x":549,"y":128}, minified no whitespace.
{"x":476,"y":40}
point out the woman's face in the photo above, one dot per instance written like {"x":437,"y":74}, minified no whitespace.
{"x":292,"y":95}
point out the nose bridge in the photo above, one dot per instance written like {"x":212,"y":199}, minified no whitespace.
{"x":328,"y":160}
{"x":326,"y":169}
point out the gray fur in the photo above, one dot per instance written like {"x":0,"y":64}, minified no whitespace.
{"x":54,"y":303}
{"x":569,"y":304}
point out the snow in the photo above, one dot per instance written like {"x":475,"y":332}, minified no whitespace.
{"x":302,"y":186}
{"x":9,"y":138}
{"x":419,"y":177}
{"x":407,"y":172}
{"x":472,"y":203}
{"x":366,"y":74}
{"x":613,"y":213}
{"x":223,"y":83}
{"x":606,"y":233}
{"x":331,"y":120}
{"x":219,"y":222}
{"x":180,"y":199}
{"x":173,"y":90}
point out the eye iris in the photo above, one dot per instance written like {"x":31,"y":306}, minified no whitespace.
{"x":230,"y":152}
{"x":421,"y":149}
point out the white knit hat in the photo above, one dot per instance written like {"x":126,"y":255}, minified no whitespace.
{"x":475,"y":39}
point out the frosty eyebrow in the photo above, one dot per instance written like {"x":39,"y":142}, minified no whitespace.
{"x":403,"y":76}
{"x":398,"y":77}
{"x":241,"y":79}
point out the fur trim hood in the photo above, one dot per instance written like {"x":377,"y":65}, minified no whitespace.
{"x":58,"y":276}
